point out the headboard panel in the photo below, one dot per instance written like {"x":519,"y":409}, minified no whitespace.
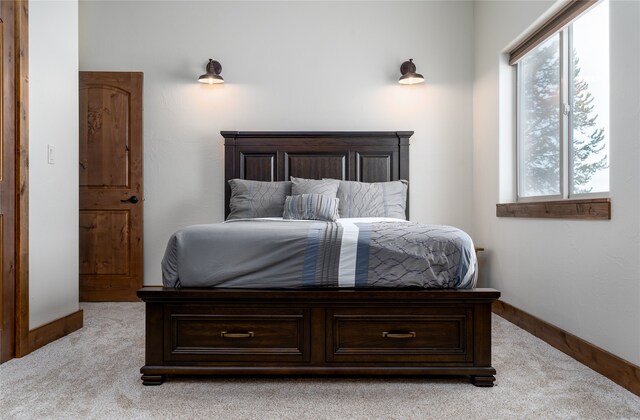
{"x":366,"y":156}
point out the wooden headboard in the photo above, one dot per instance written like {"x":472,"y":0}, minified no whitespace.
{"x":366,"y":156}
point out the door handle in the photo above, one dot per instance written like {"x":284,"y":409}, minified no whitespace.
{"x":133,"y":200}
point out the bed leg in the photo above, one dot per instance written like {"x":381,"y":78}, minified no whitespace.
{"x":486,"y":381}
{"x":152,"y":379}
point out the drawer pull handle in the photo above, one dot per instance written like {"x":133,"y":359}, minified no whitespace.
{"x":236,"y":335}
{"x":410,"y":334}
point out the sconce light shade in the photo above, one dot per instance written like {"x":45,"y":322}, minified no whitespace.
{"x":409,"y":75}
{"x":212,"y":75}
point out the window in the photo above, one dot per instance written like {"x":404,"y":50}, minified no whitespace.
{"x":563,"y":110}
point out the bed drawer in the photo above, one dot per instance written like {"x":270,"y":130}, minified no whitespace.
{"x":400,"y":335}
{"x":232,"y":334}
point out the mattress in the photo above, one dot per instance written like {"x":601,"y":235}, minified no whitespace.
{"x":294,"y":254}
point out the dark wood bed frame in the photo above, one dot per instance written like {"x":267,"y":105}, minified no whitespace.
{"x":397,"y":332}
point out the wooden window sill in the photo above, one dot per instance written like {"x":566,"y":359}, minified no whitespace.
{"x":584,"y":209}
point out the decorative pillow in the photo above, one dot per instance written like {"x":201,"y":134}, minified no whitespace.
{"x":257,"y":199}
{"x":375,"y":199}
{"x":314,"y":186}
{"x":311,"y":207}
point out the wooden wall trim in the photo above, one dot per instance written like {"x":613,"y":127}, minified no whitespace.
{"x":54,"y":330}
{"x":620,"y":371}
{"x":22,"y":176}
{"x":585,"y":209}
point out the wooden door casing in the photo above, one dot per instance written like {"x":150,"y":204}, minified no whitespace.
{"x":110,"y":174}
{"x":7,"y":183}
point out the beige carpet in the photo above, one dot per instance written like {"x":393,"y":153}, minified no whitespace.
{"x":93,"y":373}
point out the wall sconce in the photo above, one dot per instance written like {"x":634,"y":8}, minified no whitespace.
{"x":212,"y":76}
{"x":409,"y":75}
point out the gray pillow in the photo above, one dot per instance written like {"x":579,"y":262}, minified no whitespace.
{"x":257,"y":199}
{"x":314,"y":186}
{"x":375,"y":199}
{"x":311,"y":207}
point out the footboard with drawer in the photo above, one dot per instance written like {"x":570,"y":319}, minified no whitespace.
{"x":318,"y":332}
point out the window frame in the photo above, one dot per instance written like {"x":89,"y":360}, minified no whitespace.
{"x":568,"y":16}
{"x":518,"y":147}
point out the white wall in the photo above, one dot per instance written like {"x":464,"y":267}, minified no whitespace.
{"x":333,"y":66}
{"x":53,"y":189}
{"x":287,"y":66}
{"x":582,"y":276}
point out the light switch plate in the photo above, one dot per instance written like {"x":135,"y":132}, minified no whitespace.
{"x":50,"y":157}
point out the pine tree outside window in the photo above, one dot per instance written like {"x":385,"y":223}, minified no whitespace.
{"x":563,"y":112}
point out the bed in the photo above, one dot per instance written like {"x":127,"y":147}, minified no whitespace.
{"x":406,"y":331}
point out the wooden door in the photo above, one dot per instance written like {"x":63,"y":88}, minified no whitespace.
{"x":111,"y":190}
{"x":7,"y":182}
